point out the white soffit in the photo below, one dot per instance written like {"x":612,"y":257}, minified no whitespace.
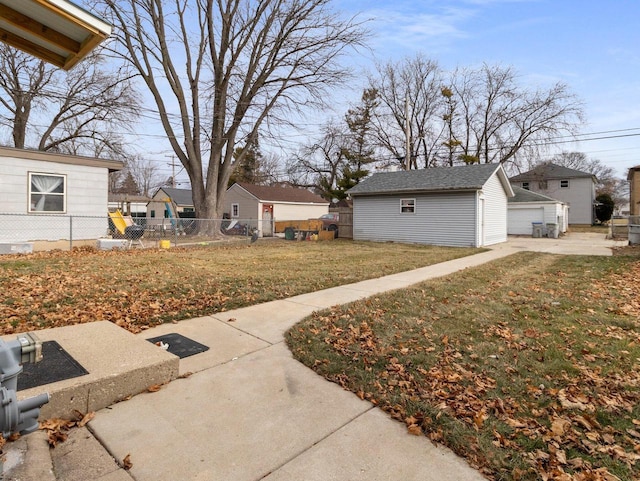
{"x":56,"y":31}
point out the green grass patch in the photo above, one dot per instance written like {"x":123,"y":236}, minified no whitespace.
{"x":528,"y":366}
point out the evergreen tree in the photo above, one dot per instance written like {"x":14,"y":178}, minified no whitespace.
{"x":249,"y":168}
{"x":604,"y":207}
{"x":129,"y":185}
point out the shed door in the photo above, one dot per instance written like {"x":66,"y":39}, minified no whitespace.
{"x":267,"y":220}
{"x":519,"y":220}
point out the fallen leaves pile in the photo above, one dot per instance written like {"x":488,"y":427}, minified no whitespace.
{"x":138,"y":289}
{"x":58,"y":429}
{"x":549,"y":393}
{"x":115,"y":292}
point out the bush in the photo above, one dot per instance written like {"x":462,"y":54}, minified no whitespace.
{"x":604,"y":207}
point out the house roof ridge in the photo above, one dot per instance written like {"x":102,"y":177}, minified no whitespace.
{"x":273,"y":193}
{"x":433,"y":179}
{"x":550,"y":170}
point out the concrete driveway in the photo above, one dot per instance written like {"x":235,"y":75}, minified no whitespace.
{"x":575,"y":243}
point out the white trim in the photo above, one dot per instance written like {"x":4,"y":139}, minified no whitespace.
{"x":32,"y":207}
{"x":411,"y":203}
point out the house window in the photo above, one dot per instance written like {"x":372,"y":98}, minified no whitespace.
{"x":407,"y":206}
{"x":235,"y":210}
{"x":525,"y":185}
{"x":47,"y":192}
{"x":564,"y":183}
{"x":542,"y":185}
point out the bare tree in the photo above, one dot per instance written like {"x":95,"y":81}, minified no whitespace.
{"x":498,"y":118}
{"x":409,"y":87}
{"x":146,"y":174}
{"x":217,"y":69}
{"x":470,"y":115}
{"x":318,"y":165}
{"x":83,"y":111}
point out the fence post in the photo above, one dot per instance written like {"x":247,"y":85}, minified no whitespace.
{"x":70,"y":232}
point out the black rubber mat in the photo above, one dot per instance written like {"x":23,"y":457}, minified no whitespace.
{"x":179,"y":345}
{"x":56,"y":365}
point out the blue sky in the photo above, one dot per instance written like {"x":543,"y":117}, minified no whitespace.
{"x":591,"y":45}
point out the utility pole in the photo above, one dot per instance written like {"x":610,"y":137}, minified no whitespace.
{"x":407,"y":134}
{"x":173,"y":170}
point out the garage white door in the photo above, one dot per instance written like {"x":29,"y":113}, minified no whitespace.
{"x":519,"y":220}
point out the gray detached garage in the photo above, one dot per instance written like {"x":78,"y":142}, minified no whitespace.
{"x":528,"y":207}
{"x":450,"y":206}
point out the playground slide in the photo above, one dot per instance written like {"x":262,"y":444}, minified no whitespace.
{"x":119,"y":221}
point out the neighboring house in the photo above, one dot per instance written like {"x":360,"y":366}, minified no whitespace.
{"x":264,"y":204}
{"x":575,"y":188}
{"x":527,"y":207}
{"x":133,"y":205}
{"x":45,"y":189}
{"x":450,"y":206}
{"x":169,"y":202}
{"x":634,"y":190}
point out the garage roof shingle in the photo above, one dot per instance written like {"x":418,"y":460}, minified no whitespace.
{"x":435,"y":179}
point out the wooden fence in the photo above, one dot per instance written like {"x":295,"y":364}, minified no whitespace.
{"x":345,"y":224}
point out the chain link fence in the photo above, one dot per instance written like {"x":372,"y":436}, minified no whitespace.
{"x":46,"y":232}
{"x":622,"y":225}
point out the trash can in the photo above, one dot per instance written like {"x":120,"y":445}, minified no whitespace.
{"x":289,"y":233}
{"x":634,"y":234}
{"x":552,"y":230}
{"x":536,"y":229}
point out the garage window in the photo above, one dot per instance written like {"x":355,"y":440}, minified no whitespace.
{"x":47,"y":192}
{"x":564,"y":184}
{"x":407,"y":206}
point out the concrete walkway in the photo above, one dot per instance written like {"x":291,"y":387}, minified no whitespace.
{"x":248,"y":411}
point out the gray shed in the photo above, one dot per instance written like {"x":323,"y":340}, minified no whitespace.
{"x":451,"y":206}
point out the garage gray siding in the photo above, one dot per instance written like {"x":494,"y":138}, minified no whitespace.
{"x":439,"y":219}
{"x":495,"y":215}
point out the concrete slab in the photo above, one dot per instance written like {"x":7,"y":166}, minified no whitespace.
{"x":16,"y":247}
{"x":240,"y":420}
{"x":82,"y":457}
{"x":329,"y":297}
{"x":374,"y":448}
{"x":119,"y":364}
{"x":267,"y":321}
{"x":224,"y":340}
{"x":27,"y":459}
{"x":573,"y":243}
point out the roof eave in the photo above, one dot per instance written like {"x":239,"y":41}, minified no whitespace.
{"x":56,"y":31}
{"x":416,"y":191}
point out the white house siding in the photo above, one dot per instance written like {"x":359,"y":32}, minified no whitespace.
{"x":86,"y":200}
{"x":494,"y":230}
{"x":292,"y":211}
{"x":439,"y":219}
{"x":521,"y":215}
{"x":579,"y":196}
